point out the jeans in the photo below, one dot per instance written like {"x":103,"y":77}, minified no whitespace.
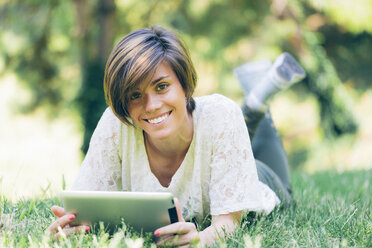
{"x":271,"y":159}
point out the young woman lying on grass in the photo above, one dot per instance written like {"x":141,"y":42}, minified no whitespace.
{"x":155,"y":137}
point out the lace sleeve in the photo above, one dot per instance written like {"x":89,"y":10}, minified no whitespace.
{"x":234,"y":182}
{"x":101,"y":168}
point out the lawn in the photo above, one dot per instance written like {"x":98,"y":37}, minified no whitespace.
{"x":332,"y":210}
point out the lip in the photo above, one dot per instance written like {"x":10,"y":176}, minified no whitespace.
{"x":163,"y":117}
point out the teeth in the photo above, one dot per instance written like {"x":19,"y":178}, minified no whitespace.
{"x":158,"y":120}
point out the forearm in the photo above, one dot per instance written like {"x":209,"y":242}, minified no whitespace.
{"x":209,"y":235}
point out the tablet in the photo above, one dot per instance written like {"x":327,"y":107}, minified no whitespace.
{"x":143,"y":211}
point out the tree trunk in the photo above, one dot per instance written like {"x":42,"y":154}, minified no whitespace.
{"x":94,"y":49}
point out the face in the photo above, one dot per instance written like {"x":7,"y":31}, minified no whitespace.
{"x":159,"y":107}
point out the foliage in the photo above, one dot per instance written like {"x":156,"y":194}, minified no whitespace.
{"x":58,"y":48}
{"x":35,"y":44}
{"x":354,"y":15}
{"x":325,"y":215}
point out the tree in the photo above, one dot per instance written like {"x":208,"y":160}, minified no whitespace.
{"x":94,"y":47}
{"x":60,"y":56}
{"x":322,"y":79}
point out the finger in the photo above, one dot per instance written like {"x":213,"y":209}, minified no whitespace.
{"x":175,"y":228}
{"x":168,"y":241}
{"x":67,"y":231}
{"x":178,"y":209}
{"x":185,"y":239}
{"x":61,"y":222}
{"x":58,"y":211}
{"x":77,"y":229}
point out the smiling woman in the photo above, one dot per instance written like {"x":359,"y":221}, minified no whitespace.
{"x":155,"y":137}
{"x":160,"y":107}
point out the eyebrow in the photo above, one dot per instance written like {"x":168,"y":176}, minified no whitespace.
{"x":153,"y":82}
{"x":159,"y":79}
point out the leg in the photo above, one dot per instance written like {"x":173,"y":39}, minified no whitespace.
{"x":268,"y":177}
{"x":269,"y":79}
{"x":267,"y":147}
{"x":266,"y":143}
{"x":282,"y":74}
{"x":252,"y":119}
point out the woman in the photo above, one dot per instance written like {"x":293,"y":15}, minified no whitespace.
{"x":155,"y":136}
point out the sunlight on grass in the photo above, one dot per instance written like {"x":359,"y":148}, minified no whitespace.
{"x":35,"y":154}
{"x":327,"y":214}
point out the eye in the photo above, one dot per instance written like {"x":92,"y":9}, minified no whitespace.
{"x":161,"y":86}
{"x":135,"y":95}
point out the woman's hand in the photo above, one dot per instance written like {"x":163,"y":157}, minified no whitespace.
{"x":186,"y":232}
{"x":221,"y":226}
{"x":63,"y":223}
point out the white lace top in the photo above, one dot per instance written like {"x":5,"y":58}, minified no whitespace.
{"x":217,"y":176}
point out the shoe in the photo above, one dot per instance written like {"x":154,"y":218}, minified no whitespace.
{"x":286,"y":71}
{"x":250,"y":74}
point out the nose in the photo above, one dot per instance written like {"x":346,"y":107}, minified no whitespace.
{"x":152,"y":102}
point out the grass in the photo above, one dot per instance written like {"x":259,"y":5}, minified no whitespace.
{"x":332,"y":210}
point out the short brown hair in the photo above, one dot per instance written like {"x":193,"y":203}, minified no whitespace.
{"x":135,"y":59}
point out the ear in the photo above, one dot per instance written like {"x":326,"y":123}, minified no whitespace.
{"x":178,"y":209}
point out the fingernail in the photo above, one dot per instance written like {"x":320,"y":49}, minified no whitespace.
{"x":87,"y":229}
{"x":156,"y":233}
{"x":72,"y":217}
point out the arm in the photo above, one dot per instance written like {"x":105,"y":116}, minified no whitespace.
{"x":221,"y":225}
{"x":233,"y":185}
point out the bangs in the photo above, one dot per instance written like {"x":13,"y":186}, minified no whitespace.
{"x":140,"y":68}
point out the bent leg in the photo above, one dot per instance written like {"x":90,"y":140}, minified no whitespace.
{"x":267,"y":147}
{"x":260,"y":82}
{"x":266,"y":143}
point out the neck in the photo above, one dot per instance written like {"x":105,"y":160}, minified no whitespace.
{"x":175,"y":146}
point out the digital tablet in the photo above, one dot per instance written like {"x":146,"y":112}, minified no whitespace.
{"x":143,"y":211}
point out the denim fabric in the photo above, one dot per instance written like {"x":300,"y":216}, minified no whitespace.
{"x":271,"y":159}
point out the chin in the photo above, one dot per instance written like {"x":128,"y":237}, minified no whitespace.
{"x":159,"y":135}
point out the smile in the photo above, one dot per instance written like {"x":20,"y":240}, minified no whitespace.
{"x":159,"y":119}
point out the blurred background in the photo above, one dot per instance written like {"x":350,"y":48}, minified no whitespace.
{"x":53,"y":53}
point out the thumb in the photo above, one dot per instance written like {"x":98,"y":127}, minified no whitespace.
{"x":178,"y":209}
{"x":58,"y":211}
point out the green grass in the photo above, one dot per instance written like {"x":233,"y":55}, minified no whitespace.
{"x":332,"y":210}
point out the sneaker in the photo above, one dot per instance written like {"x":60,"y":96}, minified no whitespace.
{"x":252,"y":73}
{"x":286,"y":71}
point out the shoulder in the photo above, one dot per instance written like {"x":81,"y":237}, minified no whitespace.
{"x":216,"y":105}
{"x":214,"y":99}
{"x":108,"y":115}
{"x":109,"y":118}
{"x":217,"y":117}
{"x":109,"y":123}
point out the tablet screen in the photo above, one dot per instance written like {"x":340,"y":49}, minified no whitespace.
{"x":143,"y":211}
